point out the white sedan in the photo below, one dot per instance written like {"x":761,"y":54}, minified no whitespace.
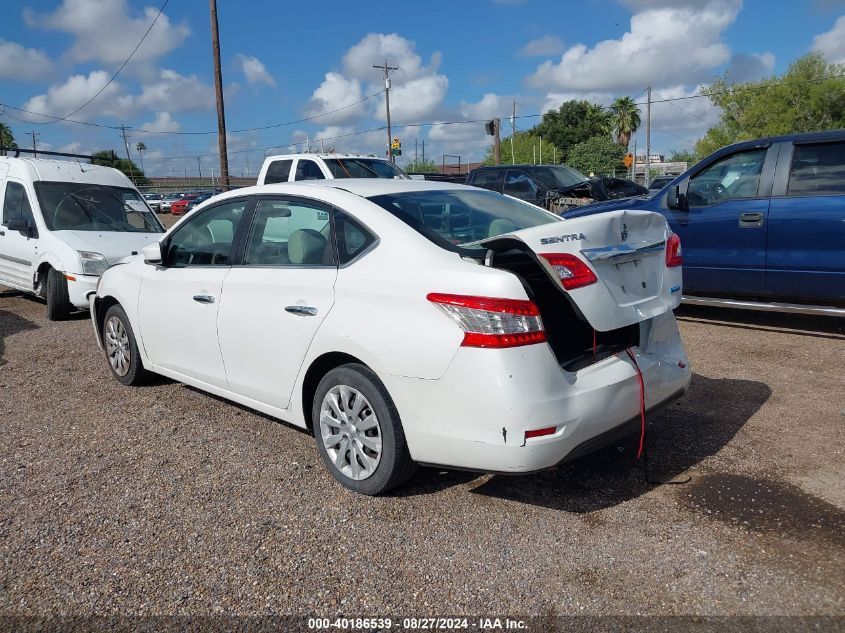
{"x":408,"y":322}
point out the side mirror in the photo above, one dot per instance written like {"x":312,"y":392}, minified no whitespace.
{"x":21,"y":225}
{"x":675,"y":199}
{"x":152,"y":253}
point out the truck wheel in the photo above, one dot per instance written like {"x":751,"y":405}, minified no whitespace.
{"x":58,"y":302}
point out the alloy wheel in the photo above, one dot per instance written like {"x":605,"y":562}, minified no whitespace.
{"x":117,"y":346}
{"x":350,"y":432}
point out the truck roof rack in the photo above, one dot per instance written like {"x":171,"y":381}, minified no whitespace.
{"x":18,"y":151}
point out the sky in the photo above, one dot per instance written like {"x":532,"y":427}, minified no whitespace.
{"x":285,"y":62}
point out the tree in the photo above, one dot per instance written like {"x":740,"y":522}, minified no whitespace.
{"x":526,"y":149}
{"x":572,"y":123}
{"x":109,"y":158}
{"x":141,"y":147}
{"x":597,"y":155}
{"x":682,"y":156}
{"x":420,"y":166}
{"x":7,"y":139}
{"x":625,"y":116}
{"x":808,"y":97}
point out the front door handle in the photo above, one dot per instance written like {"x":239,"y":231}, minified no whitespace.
{"x":203,"y":298}
{"x":301,"y":310}
{"x":750,"y":220}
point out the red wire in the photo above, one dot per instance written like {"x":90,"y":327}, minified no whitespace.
{"x":642,"y":402}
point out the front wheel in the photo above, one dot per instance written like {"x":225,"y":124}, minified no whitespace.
{"x":358,"y":431}
{"x":58,"y":301}
{"x":121,"y":348}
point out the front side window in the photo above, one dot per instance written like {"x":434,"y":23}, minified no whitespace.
{"x":454,"y":219}
{"x":519,"y":185}
{"x":363,"y":168}
{"x":817,"y":169}
{"x":16,"y":204}
{"x":207,"y":239}
{"x":308,"y":170}
{"x":732,"y":177}
{"x":278,"y":171}
{"x":75,"y":206}
{"x":289,"y":233}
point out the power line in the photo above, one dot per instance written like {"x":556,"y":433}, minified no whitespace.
{"x":688,"y":113}
{"x":122,"y":66}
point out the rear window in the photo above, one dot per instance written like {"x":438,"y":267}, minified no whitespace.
{"x":817,"y":169}
{"x":363,"y":168}
{"x":278,"y":171}
{"x":455,"y":219}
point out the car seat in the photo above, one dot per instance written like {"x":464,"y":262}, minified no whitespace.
{"x":306,"y":247}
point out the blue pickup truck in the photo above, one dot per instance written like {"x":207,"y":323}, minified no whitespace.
{"x":760,"y":221}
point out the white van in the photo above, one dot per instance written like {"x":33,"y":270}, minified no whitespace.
{"x":63,"y":223}
{"x":294,"y":167}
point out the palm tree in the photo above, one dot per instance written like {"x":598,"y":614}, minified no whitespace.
{"x":7,"y":139}
{"x":599,"y":119}
{"x":141,"y":147}
{"x":626,"y":119}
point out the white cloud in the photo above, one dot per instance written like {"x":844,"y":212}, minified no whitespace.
{"x":416,"y":99}
{"x":542,"y":47}
{"x":831,"y":44}
{"x":744,"y":67}
{"x":76,"y":90}
{"x":335,"y":92}
{"x":176,"y":93}
{"x":255,"y":71}
{"x":105,"y":30}
{"x":163,"y":122}
{"x":663,"y":43}
{"x":17,"y":62}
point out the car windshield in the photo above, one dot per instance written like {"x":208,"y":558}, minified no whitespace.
{"x":76,"y":206}
{"x":457,"y":218}
{"x":558,"y":176}
{"x":363,"y":168}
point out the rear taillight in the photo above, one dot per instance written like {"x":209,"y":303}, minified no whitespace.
{"x":549,"y":430}
{"x":674,"y":252}
{"x":572,"y":271}
{"x":490,"y":322}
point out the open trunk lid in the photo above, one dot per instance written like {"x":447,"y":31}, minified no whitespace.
{"x":627,"y":252}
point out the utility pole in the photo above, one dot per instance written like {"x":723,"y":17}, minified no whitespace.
{"x":387,"y":70}
{"x":128,"y":160}
{"x":513,"y":132}
{"x":199,"y":168}
{"x":218,"y":87}
{"x":416,"y":155}
{"x":423,"y":150}
{"x":648,"y":140}
{"x":34,"y":144}
{"x":541,"y":150}
{"x":497,"y":155}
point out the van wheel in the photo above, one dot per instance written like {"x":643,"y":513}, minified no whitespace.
{"x":121,"y":348}
{"x":58,"y":302}
{"x":358,"y":431}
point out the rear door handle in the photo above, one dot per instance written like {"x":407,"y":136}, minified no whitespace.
{"x":203,"y":298}
{"x":750,"y":220}
{"x":301,"y":310}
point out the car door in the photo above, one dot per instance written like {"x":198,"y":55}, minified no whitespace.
{"x":179,"y":300}
{"x":275,"y":300}
{"x":805,"y":257}
{"x":18,"y":249}
{"x":723,"y":228}
{"x":520,"y":185}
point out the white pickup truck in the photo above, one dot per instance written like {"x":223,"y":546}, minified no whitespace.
{"x":63,"y":223}
{"x":293,"y":167}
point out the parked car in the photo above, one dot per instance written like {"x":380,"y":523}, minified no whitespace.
{"x":154,"y":201}
{"x":63,"y":224}
{"x":553,"y":187}
{"x":169,"y":199}
{"x":406,"y":322}
{"x":294,"y":167}
{"x":198,"y":198}
{"x":761,"y":222}
{"x":180,"y":206}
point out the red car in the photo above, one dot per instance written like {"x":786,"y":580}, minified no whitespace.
{"x":180,"y":207}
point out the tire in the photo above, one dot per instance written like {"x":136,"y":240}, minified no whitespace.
{"x":121,"y":348}
{"x":58,"y":302}
{"x":358,"y":395}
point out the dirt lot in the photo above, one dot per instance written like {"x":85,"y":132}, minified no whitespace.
{"x":164,"y":500}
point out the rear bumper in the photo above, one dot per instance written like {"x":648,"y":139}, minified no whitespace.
{"x":476,"y":415}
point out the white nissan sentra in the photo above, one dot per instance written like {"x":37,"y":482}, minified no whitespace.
{"x":408,"y":322}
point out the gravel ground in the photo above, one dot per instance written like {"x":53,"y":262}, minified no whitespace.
{"x":165,"y":500}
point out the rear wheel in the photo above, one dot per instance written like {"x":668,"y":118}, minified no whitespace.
{"x":358,"y":431}
{"x":121,"y":348}
{"x":58,"y":301}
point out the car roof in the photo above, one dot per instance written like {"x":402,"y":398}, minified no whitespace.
{"x":322,"y":155}
{"x":65,"y":171}
{"x":825,"y":135}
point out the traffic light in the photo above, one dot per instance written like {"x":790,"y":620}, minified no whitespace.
{"x":396,"y":147}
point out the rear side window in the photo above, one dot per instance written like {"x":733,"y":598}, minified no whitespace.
{"x":16,"y":203}
{"x":817,"y":169}
{"x":486,"y":179}
{"x":352,"y":238}
{"x":308,"y":170}
{"x":278,"y":171}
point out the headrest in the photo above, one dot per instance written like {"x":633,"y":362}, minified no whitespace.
{"x":306,"y":246}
